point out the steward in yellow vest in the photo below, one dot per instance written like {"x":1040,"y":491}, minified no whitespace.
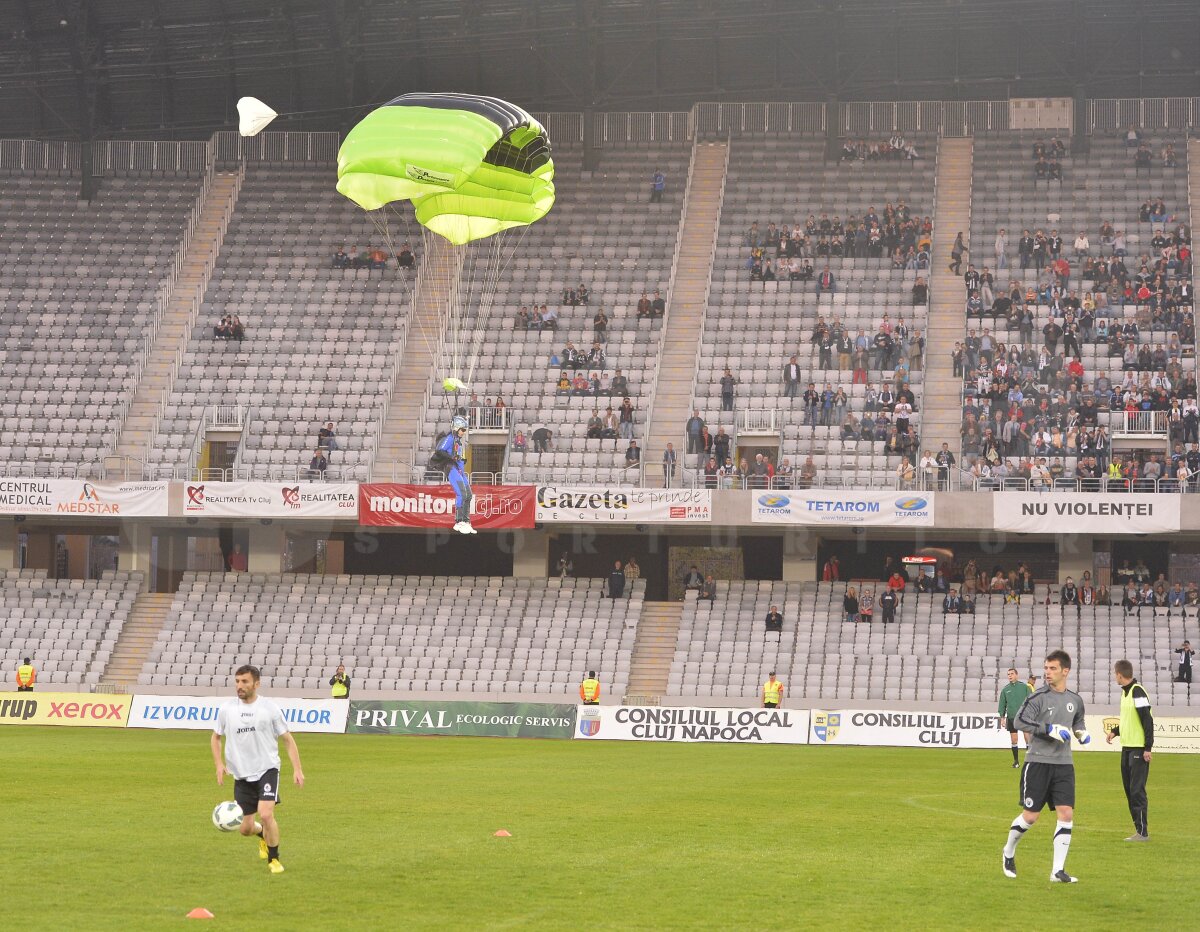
{"x":589,"y":689}
{"x":340,"y":683}
{"x":772,"y":692}
{"x":1136,"y":732}
{"x":26,"y":677}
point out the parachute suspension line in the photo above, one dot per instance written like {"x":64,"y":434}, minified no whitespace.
{"x":502,"y":257}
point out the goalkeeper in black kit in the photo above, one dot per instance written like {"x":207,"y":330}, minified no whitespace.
{"x":1049,"y":718}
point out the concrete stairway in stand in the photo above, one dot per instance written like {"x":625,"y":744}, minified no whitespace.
{"x":137,"y":639}
{"x":941,"y":418}
{"x":218,"y":205}
{"x":654,"y":649}
{"x":438,"y":280}
{"x":685,"y":317}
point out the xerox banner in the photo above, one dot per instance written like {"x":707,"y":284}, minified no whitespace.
{"x":83,"y":498}
{"x":1085,"y":512}
{"x":200,"y":712}
{"x":271,"y":499}
{"x":884,"y":728}
{"x":487,"y":719}
{"x":561,"y":504}
{"x":718,"y":726}
{"x":494,"y":507}
{"x":74,"y":709}
{"x":843,"y":507}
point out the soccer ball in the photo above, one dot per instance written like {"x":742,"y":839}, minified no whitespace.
{"x":227,"y":816}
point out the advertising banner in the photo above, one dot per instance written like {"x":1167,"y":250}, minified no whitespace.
{"x":882,"y":728}
{"x":83,"y":498}
{"x":1171,"y":735}
{"x":200,"y":712}
{"x":80,"y":710}
{"x":719,"y":726}
{"x":271,"y":499}
{"x":494,"y":507}
{"x":844,"y":507}
{"x":484,"y":719}
{"x":560,"y":504}
{"x":1085,"y":512}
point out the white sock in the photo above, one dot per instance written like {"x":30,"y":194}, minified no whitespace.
{"x":1018,"y":828}
{"x":258,"y":829}
{"x":1062,"y":844}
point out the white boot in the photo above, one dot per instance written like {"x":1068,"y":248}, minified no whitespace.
{"x":462,"y":527}
{"x":470,"y":528}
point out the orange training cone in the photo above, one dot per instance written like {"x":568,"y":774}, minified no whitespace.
{"x":200,"y":913}
{"x":502,"y":834}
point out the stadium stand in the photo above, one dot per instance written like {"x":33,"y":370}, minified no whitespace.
{"x":1157,"y":332}
{"x":753,"y":326}
{"x":724,"y":650}
{"x":69,"y":627}
{"x":604,"y":234}
{"x":79,"y":285}
{"x":431,"y":633}
{"x":320,"y":341}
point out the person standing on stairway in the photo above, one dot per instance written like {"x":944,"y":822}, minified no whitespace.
{"x":956,"y":254}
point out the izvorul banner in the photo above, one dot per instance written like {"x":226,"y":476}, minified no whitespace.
{"x":483,"y":719}
{"x":200,"y":712}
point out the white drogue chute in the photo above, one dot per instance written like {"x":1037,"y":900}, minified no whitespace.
{"x":254,"y":116}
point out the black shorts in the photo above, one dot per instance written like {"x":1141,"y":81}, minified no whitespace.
{"x":1012,"y":726}
{"x":1045,"y":785}
{"x":249,"y":793}
{"x":770,"y":705}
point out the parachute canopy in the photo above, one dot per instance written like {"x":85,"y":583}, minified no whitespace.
{"x":472,"y":166}
{"x":254,"y":116}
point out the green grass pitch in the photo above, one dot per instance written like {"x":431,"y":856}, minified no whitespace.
{"x":111,"y":830}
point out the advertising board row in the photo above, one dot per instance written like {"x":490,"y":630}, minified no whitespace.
{"x":867,"y":727}
{"x":515,"y":507}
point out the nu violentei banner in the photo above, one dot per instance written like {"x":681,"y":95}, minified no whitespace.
{"x":720,"y":726}
{"x":1085,"y":512}
{"x":83,"y":498}
{"x":843,"y":507}
{"x":880,"y":727}
{"x":484,"y":719}
{"x":200,"y":712}
{"x":562,"y":504}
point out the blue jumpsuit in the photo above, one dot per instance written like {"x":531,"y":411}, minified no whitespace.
{"x":457,"y":475}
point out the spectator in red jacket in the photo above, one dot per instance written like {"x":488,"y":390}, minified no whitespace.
{"x":896,"y":582}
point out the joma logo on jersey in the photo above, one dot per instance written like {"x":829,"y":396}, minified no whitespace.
{"x":242,"y":731}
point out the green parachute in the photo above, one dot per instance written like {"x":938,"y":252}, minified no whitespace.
{"x":471,"y":166}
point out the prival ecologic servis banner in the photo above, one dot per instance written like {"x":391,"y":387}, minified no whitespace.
{"x":844,"y":507}
{"x":483,"y":719}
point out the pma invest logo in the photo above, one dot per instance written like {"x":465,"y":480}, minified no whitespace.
{"x":774,"y":502}
{"x":911,"y":504}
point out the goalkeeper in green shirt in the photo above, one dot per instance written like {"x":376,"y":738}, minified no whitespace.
{"x":1012,"y":697}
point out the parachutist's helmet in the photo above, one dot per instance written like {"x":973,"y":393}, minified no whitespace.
{"x":458,"y":423}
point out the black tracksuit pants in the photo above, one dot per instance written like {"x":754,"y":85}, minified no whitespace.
{"x":1134,"y":773}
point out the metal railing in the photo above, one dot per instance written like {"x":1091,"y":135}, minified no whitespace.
{"x":225,"y":417}
{"x":1144,"y":423}
{"x":721,"y":120}
{"x":278,"y":147}
{"x":759,"y":419}
{"x":1100,"y":484}
{"x":488,"y":419}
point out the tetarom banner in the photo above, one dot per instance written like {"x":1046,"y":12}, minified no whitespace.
{"x":844,"y":507}
{"x":493,"y":507}
{"x":1085,"y":512}
{"x":82,"y":498}
{"x":561,"y":504}
{"x":486,"y":719}
{"x":200,"y":712}
{"x":884,"y":728}
{"x":272,"y":499}
{"x":718,"y":726}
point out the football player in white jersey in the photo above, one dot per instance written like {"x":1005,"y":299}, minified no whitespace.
{"x":252,"y":726}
